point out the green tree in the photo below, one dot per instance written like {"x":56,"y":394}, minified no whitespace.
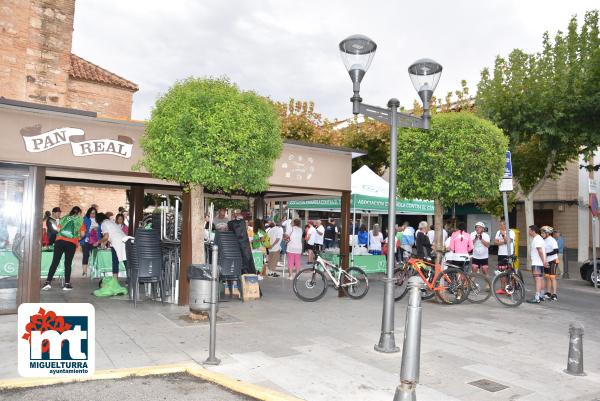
{"x":455,"y":162}
{"x":548,"y":103}
{"x":206,"y":133}
{"x":371,"y":136}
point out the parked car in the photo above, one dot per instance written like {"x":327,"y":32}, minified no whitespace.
{"x":587,"y":271}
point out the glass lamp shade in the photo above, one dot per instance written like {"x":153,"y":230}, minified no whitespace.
{"x":357,"y":52}
{"x":425,"y":74}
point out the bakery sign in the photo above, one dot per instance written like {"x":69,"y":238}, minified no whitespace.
{"x":38,"y":141}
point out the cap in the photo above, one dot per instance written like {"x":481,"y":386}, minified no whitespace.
{"x":547,"y":229}
{"x":480,"y":224}
{"x":56,"y":210}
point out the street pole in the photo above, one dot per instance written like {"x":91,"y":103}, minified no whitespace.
{"x":212,"y":359}
{"x":387,"y":342}
{"x":594,"y":239}
{"x":411,"y":348}
{"x":506,"y":222}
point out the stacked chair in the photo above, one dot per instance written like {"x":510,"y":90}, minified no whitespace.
{"x":145,"y":262}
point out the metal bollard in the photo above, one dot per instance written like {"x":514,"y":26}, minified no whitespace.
{"x":212,"y":359}
{"x":575,"y":359}
{"x":411,"y":349}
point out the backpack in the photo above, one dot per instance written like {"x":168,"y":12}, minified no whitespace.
{"x":69,"y":227}
{"x":267,"y":240}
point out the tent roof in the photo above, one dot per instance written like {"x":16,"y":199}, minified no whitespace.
{"x":366,"y":182}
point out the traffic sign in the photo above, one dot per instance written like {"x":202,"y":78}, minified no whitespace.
{"x":506,"y":185}
{"x":508,"y":173}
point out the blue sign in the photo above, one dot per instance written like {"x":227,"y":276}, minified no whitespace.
{"x":508,"y":169}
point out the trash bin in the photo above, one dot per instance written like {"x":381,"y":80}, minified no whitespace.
{"x":200,"y":287}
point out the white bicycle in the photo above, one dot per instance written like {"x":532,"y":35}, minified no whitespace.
{"x":310,"y":284}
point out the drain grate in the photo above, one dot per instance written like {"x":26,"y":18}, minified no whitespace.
{"x":488,"y":385}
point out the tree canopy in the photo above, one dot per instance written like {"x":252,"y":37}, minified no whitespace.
{"x":206,"y":132}
{"x":459,"y":160}
{"x":547,"y":102}
{"x":300,"y":122}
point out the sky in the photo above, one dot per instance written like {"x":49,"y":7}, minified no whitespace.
{"x":289,"y":49}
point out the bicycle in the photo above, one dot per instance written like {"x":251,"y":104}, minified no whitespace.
{"x":508,"y":286}
{"x":480,"y":286}
{"x":451,"y":286}
{"x":310,"y":284}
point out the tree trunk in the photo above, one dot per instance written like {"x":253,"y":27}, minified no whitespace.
{"x":197,"y":212}
{"x":529,"y":220}
{"x":439,"y":226}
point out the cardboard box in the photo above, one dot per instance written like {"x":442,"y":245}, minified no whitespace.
{"x":250,"y":287}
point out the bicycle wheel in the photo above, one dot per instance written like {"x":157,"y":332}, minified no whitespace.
{"x":309,"y":284}
{"x":508,"y":289}
{"x":455,"y":285}
{"x":480,"y":288}
{"x":356,"y":283}
{"x":401,"y":276}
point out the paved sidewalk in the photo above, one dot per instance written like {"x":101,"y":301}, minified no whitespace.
{"x":324,"y":350}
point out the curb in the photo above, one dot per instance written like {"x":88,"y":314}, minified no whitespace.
{"x":238,"y":386}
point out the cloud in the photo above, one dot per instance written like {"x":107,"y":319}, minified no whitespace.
{"x":286,"y":49}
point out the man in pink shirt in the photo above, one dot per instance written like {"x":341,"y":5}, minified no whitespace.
{"x":461,"y":244}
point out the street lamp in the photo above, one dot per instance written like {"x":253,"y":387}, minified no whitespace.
{"x":357,"y":52}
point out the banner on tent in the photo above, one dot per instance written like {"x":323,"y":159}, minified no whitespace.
{"x":366,"y":203}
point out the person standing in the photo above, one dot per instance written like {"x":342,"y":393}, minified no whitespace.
{"x":275,"y":239}
{"x":93,"y":233}
{"x":294,"y":247}
{"x":70,"y":230}
{"x":221,"y":220}
{"x":422,"y":241}
{"x":363,"y":236}
{"x":52,"y":225}
{"x":461,"y":245}
{"x":481,"y":244}
{"x":375,"y":240}
{"x":538,"y":263}
{"x":259,"y":241}
{"x":120,"y":221}
{"x":501,"y":240}
{"x":551,"y":249}
{"x":330,"y":234}
{"x":311,"y":236}
{"x":560,"y":262}
{"x":113,"y":234}
{"x":320,"y":237}
{"x":408,"y":238}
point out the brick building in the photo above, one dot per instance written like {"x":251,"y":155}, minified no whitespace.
{"x":37,"y":65}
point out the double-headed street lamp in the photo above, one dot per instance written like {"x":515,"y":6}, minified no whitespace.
{"x":357,"y":52}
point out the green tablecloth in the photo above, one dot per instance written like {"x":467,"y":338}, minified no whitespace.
{"x":369,"y":263}
{"x":9,"y":264}
{"x":258,"y":260}
{"x":101,"y":263}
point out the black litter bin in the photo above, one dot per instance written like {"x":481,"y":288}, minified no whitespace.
{"x":200,"y":287}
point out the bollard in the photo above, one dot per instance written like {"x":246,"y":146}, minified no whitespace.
{"x":212,"y":359}
{"x":575,"y":359}
{"x":411,"y":348}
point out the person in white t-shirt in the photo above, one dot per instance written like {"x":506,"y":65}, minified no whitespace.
{"x":431,"y":235}
{"x":538,"y":263}
{"x":551,"y":249}
{"x":449,"y":256}
{"x":275,"y":240}
{"x":375,"y":240}
{"x":320,"y":236}
{"x":481,"y":243}
{"x":311,"y":236}
{"x":501,"y":239}
{"x":294,"y":247}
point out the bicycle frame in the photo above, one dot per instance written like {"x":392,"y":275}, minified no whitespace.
{"x":327,"y":266}
{"x":419,"y":265}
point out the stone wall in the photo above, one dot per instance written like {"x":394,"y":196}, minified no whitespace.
{"x":107,"y":101}
{"x":67,"y":196}
{"x":35,"y":50}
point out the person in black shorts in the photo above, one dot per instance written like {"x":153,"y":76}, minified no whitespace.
{"x":481,"y":243}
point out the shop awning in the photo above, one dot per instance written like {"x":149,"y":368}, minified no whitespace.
{"x":369,"y":195}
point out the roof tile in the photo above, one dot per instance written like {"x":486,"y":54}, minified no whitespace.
{"x":83,"y":69}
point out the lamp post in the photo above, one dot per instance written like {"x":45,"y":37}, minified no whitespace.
{"x":357,"y":52}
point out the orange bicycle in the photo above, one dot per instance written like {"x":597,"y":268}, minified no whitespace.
{"x":451,"y":285}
